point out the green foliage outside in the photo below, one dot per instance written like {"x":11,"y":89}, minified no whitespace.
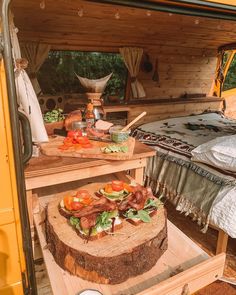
{"x":230,"y":79}
{"x":57,"y":74}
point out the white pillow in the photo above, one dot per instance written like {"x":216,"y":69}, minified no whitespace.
{"x":219,"y":152}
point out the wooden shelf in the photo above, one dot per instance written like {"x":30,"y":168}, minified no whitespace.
{"x":184,"y":266}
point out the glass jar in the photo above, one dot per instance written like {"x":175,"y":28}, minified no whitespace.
{"x":80,"y":126}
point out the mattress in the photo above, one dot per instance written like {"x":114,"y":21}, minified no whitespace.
{"x":208,"y":193}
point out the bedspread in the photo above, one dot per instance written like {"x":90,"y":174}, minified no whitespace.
{"x":204,"y":191}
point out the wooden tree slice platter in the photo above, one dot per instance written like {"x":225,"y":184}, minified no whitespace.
{"x":51,"y":149}
{"x":112,"y":259}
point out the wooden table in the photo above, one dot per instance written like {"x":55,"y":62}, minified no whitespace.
{"x":46,"y":171}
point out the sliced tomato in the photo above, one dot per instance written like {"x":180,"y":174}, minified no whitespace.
{"x":128,"y":187}
{"x":76,"y":206}
{"x":84,"y":196}
{"x":68,"y":200}
{"x":117,"y":185}
{"x":74,"y":133}
{"x":108,"y":188}
{"x":68,"y":140}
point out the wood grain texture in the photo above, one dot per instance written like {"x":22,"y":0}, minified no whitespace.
{"x":51,"y":148}
{"x":186,"y":46}
{"x":112,"y":259}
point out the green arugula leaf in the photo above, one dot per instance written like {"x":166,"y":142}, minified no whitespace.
{"x":74,"y":221}
{"x":144,"y":216}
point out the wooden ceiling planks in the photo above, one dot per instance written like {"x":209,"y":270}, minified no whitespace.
{"x":59,"y":24}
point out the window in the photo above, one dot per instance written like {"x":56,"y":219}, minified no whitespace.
{"x":230,"y":79}
{"x":57,"y":74}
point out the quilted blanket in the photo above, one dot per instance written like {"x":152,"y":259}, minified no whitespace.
{"x":204,"y":191}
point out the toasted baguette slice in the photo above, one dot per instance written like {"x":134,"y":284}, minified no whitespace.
{"x":137,"y":222}
{"x":99,"y":235}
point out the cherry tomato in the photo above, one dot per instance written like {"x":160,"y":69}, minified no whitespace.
{"x":76,"y":206}
{"x":82,"y":139}
{"x":84,"y":196}
{"x":128,"y":187}
{"x":68,"y":141}
{"x":108,"y":188}
{"x":117,"y":185}
{"x":68,"y":201}
{"x":74,"y":133}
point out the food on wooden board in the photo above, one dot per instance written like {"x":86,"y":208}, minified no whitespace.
{"x":96,"y":220}
{"x":139,"y":206}
{"x":72,"y":117}
{"x":71,"y":204}
{"x":114,"y":148}
{"x":136,"y":203}
{"x":116,"y":190}
{"x":76,"y":140}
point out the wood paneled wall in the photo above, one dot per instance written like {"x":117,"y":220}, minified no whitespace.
{"x":181,"y":72}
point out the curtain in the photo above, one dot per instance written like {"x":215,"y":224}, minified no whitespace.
{"x":35,"y":53}
{"x":26,"y":97}
{"x":132,"y":57}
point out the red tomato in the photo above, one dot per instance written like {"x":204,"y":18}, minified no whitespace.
{"x":76,"y":206}
{"x":117,"y":185}
{"x":68,"y":141}
{"x":68,"y":201}
{"x":84,"y":196}
{"x":82,"y":139}
{"x":108,"y":188}
{"x":74,"y":133}
{"x":128,"y":187}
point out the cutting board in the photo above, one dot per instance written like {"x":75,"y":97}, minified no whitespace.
{"x":51,"y":149}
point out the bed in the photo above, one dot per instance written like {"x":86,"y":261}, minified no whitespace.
{"x":206,"y":192}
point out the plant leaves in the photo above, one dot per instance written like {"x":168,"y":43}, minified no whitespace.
{"x":144,"y":216}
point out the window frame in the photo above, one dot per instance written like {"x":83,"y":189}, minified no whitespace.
{"x":127,"y":88}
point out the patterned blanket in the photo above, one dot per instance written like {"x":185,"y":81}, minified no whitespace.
{"x":195,"y":188}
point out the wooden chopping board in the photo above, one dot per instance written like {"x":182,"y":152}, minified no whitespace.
{"x":51,"y":149}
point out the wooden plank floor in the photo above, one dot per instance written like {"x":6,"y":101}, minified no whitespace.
{"x":206,"y":241}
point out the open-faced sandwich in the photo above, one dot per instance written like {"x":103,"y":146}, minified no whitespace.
{"x":96,"y":220}
{"x":139,"y":206}
{"x":71,"y":204}
{"x":115,"y":190}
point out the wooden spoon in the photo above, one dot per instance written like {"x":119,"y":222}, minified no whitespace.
{"x":134,"y":121}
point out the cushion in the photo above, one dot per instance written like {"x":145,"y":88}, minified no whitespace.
{"x":219,"y":152}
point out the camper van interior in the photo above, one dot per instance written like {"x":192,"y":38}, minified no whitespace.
{"x":171,"y":61}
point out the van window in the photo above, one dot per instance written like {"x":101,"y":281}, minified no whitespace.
{"x":230,"y":79}
{"x":57,"y":74}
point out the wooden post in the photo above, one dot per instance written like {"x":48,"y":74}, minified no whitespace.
{"x":138,"y":174}
{"x":222,"y":242}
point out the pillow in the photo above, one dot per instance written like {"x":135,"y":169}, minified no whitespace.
{"x":219,"y":152}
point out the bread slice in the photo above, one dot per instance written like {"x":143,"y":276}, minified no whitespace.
{"x":99,"y":235}
{"x":66,"y":213}
{"x":137,"y":222}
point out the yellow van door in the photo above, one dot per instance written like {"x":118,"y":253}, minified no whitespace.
{"x":11,"y":253}
{"x":229,"y":84}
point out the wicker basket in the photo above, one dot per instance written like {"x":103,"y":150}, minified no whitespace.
{"x":51,"y":126}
